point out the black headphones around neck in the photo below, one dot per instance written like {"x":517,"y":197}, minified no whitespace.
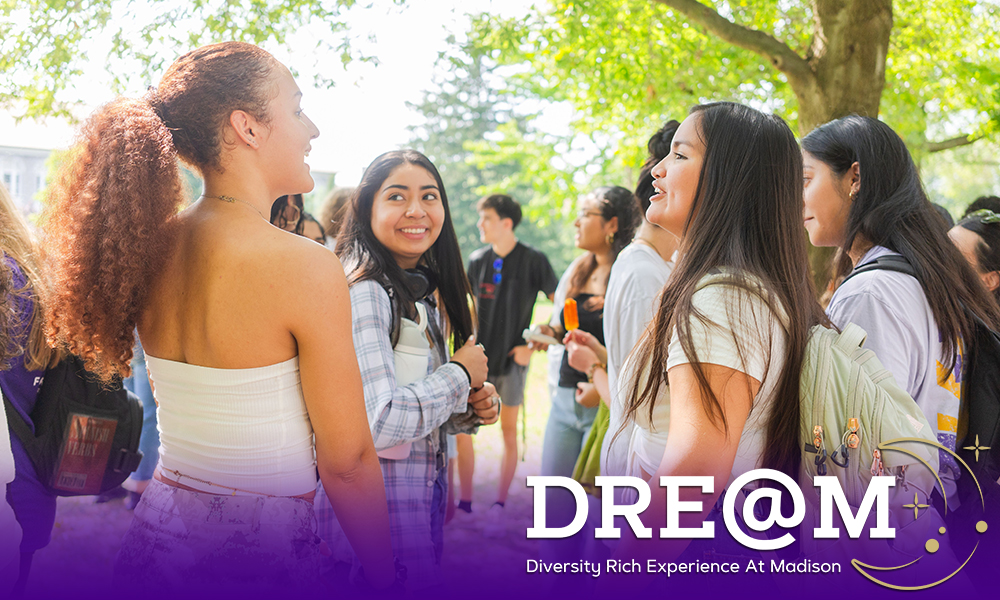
{"x":420,"y":281}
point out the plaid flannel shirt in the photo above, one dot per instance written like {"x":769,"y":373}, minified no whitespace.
{"x":396,"y":415}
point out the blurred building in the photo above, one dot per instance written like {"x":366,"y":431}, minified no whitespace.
{"x":24,"y":174}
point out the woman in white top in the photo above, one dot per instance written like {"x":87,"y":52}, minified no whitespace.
{"x":730,"y":332}
{"x":237,"y":318}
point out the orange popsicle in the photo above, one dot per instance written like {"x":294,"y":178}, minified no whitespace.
{"x":570,"y":317}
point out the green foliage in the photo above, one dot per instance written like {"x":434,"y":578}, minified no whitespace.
{"x":943,"y":70}
{"x":955,"y":178}
{"x":462,"y":113}
{"x":41,"y":41}
{"x":627,"y":66}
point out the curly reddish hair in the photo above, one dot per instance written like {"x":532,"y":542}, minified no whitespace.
{"x":109,"y":225}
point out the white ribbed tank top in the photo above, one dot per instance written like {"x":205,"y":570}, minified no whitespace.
{"x":237,"y":428}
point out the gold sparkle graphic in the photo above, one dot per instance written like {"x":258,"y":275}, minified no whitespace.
{"x":977,"y":448}
{"x":916,"y":506}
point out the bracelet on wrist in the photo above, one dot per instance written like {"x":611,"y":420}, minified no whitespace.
{"x":464,"y":370}
{"x":594,"y":367}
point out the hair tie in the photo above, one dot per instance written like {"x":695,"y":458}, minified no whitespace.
{"x":152,"y":98}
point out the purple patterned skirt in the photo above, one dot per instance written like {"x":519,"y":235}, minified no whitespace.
{"x":184,"y":540}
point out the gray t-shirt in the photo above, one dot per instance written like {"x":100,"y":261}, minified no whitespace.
{"x":892,"y":308}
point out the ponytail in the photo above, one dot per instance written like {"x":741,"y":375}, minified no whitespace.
{"x":108,"y":232}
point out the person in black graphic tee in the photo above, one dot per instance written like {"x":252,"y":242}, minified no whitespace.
{"x":506,"y":277}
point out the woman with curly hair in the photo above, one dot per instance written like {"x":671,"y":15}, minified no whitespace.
{"x":21,"y":378}
{"x":235,"y":316}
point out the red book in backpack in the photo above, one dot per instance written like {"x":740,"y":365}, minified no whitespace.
{"x":83,"y":457}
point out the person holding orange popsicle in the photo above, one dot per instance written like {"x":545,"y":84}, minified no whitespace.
{"x":605,"y":223}
{"x":570,"y":316}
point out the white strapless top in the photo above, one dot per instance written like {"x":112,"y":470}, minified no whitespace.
{"x":246,"y":429}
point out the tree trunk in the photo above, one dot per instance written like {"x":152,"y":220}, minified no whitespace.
{"x":848,"y":54}
{"x":843,"y":72}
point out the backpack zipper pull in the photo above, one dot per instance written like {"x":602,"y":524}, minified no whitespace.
{"x":853,"y":439}
{"x":877,"y":468}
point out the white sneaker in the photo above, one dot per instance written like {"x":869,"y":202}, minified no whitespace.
{"x":495,"y":525}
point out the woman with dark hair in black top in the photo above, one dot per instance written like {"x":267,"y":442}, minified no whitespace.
{"x":605,"y":224}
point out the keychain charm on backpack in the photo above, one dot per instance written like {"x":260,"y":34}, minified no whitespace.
{"x":877,"y":467}
{"x":818,"y":436}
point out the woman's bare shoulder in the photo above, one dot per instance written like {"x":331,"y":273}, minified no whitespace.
{"x":300,"y":258}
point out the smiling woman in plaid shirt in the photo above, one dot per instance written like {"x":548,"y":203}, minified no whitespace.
{"x":404,"y":265}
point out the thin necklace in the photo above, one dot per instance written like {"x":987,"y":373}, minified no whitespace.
{"x":230,"y":200}
{"x":645,"y":243}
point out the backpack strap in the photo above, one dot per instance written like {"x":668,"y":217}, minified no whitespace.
{"x":851,"y":338}
{"x":18,"y":425}
{"x":891,"y":262}
{"x":394,"y":316}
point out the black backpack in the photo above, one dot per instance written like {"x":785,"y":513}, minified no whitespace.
{"x":86,"y":438}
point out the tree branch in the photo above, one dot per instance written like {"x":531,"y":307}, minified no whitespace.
{"x":955,"y":142}
{"x":779,"y":54}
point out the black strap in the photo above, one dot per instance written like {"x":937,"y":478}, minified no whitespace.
{"x":17,"y":424}
{"x":891,"y":262}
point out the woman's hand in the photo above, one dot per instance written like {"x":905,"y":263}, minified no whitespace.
{"x":581,"y":357}
{"x":473,"y":358}
{"x":486,"y":404}
{"x":583,"y":338}
{"x":587,"y":395}
{"x":545,"y":330}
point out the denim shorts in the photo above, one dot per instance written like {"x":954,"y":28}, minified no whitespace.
{"x":510,"y":385}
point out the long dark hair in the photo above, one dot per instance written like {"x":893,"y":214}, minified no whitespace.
{"x":891,"y":209}
{"x":615,"y":201}
{"x":747,"y":218}
{"x":367,"y":258}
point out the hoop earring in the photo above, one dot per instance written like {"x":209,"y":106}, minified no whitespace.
{"x":298,"y":216}
{"x":610,"y":239}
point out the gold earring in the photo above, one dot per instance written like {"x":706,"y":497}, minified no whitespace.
{"x":610,"y":239}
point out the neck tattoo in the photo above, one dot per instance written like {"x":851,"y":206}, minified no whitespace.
{"x":232,"y":200}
